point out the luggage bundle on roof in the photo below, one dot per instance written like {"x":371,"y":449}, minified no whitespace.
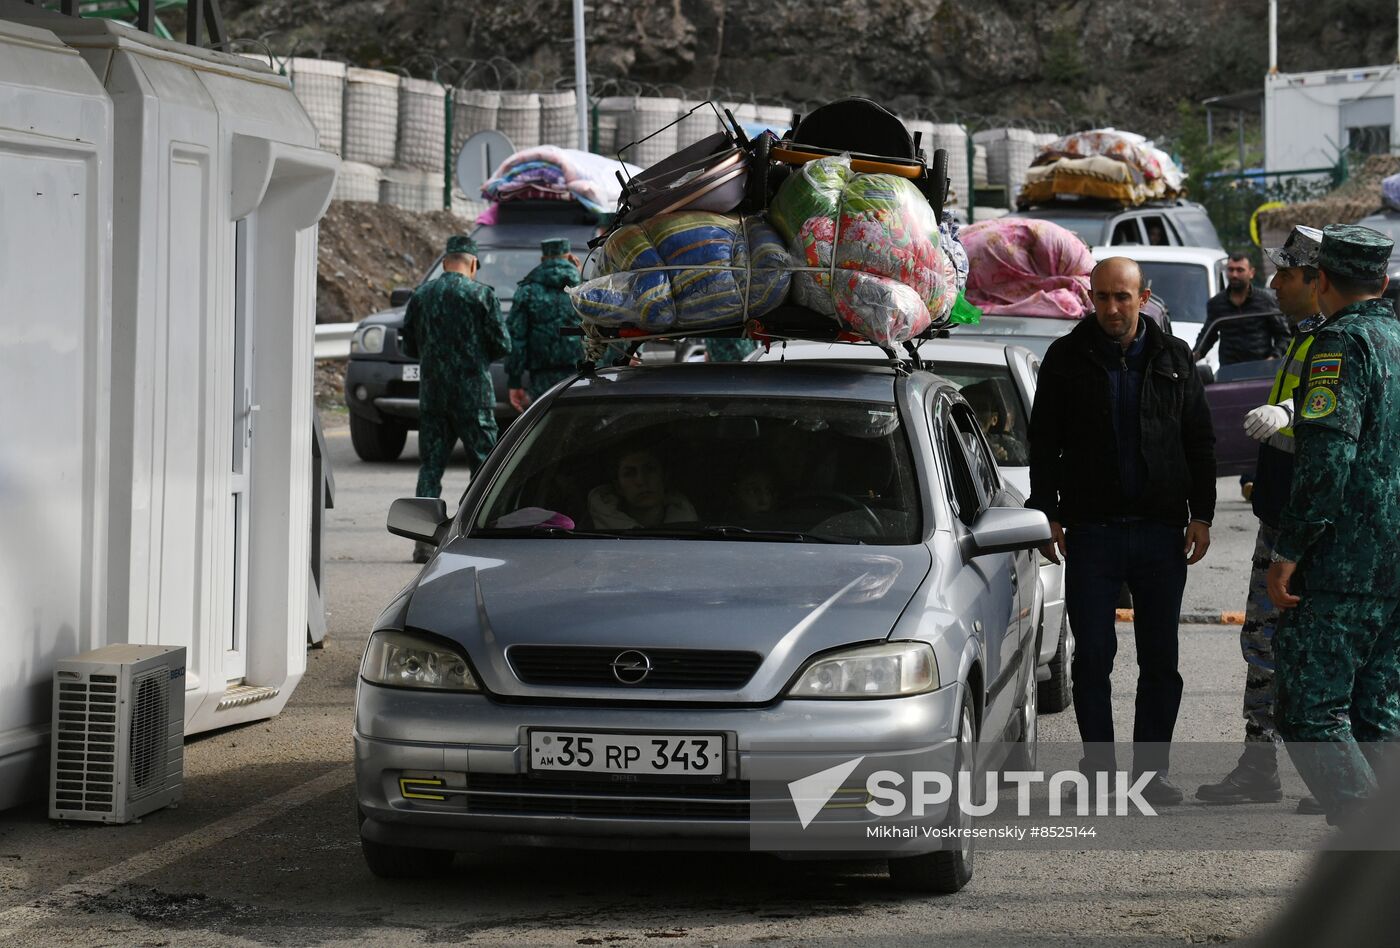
{"x":1105,"y":165}
{"x":834,"y":230}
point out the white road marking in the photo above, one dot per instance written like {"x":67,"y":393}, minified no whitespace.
{"x":61,"y":900}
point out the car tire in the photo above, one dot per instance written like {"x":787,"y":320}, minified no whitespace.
{"x":946,"y":871}
{"x":1056,"y":693}
{"x":1026,"y":751}
{"x":377,"y":442}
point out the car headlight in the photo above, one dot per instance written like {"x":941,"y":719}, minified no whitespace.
{"x":368,"y":339}
{"x":873,"y":671}
{"x":407,"y":660}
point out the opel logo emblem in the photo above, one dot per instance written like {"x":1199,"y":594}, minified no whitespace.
{"x":631,"y":667}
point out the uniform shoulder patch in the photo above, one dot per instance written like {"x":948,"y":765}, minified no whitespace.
{"x":1319,"y":402}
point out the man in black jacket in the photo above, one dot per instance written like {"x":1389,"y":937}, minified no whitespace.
{"x":1244,"y":317}
{"x":1122,"y":459}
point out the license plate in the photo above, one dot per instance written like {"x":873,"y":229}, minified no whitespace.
{"x":669,"y":755}
{"x":410,"y":373}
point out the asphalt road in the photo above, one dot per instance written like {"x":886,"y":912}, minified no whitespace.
{"x":264,"y":851}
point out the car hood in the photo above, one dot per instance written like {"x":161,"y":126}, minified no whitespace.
{"x":392,"y":318}
{"x":784,"y":601}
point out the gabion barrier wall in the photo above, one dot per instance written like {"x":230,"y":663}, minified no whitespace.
{"x":422,"y":125}
{"x":319,"y":85}
{"x":371,"y":116}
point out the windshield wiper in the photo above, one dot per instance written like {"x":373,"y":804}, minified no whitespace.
{"x":542,"y":532}
{"x":719,"y":532}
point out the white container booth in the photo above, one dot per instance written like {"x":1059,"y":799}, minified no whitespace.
{"x":213,"y":313}
{"x":55,"y":333}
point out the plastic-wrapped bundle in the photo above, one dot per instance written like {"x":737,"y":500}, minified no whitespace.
{"x":559,"y":119}
{"x":735,"y":268}
{"x":1095,"y":177}
{"x":876,"y":234}
{"x":1160,"y":176}
{"x":1390,"y":192}
{"x":371,"y":116}
{"x":422,"y":124}
{"x":1022,"y":266}
{"x":319,"y":85}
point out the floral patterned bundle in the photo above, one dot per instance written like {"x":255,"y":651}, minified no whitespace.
{"x":872,"y":249}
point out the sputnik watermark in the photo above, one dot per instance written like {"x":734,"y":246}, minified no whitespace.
{"x":889,"y":793}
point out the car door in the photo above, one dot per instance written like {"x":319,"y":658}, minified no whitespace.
{"x":973,"y":485}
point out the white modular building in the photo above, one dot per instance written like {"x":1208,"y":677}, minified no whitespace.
{"x":1311,"y":118}
{"x":194,"y":452}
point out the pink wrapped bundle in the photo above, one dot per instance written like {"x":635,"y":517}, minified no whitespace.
{"x":1025,"y":267}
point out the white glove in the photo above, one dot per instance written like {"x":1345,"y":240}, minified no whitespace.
{"x":1264,"y":422}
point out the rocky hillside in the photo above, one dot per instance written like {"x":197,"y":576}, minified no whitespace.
{"x":1123,"y":62}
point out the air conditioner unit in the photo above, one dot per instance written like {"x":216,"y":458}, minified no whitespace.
{"x":118,"y":733}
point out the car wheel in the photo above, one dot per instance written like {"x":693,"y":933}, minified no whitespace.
{"x":947,"y":870}
{"x":377,"y":442}
{"x":1025,"y":751}
{"x":1055,"y":692}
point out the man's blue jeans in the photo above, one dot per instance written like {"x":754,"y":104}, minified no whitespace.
{"x":1150,"y":558}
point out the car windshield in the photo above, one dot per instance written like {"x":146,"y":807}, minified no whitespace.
{"x":501,"y":268}
{"x":709,"y":468}
{"x":993,"y":397}
{"x":1184,"y":287}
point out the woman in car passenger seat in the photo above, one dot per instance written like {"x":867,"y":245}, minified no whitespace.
{"x":638,"y":495}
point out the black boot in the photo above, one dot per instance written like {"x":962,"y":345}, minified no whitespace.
{"x":1254,"y":780}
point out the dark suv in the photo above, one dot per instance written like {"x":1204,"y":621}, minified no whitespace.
{"x":381,"y":382}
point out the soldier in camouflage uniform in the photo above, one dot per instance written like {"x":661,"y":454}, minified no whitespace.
{"x":540,"y":309}
{"x":718,"y":349}
{"x":1337,"y":648}
{"x":454,"y":326}
{"x":1256,"y":779}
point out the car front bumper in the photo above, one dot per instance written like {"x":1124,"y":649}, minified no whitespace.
{"x":481,"y":746}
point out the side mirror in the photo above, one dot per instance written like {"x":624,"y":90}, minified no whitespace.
{"x":1006,"y":529}
{"x":400,"y":295}
{"x":418,"y":518}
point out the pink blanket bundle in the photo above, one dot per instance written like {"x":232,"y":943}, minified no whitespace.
{"x":1026,"y":267}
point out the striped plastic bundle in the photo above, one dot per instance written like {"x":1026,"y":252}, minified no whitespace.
{"x":371,"y":116}
{"x":559,"y":119}
{"x":519,"y":119}
{"x":422,"y":124}
{"x":319,"y":86}
{"x":473,"y":110}
{"x":726,"y":269}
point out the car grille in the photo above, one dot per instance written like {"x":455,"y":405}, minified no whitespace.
{"x":524,"y":795}
{"x":670,"y":667}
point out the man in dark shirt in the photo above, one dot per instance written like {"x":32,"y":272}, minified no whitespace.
{"x":1122,"y":458}
{"x":1252,"y":327}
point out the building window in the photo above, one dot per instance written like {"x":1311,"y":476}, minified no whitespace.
{"x":1369,"y":140}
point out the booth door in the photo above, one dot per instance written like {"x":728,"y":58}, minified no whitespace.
{"x":245,"y":412}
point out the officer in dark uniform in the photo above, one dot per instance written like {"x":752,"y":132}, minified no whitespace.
{"x":453,"y":325}
{"x":540,"y":309}
{"x":1255,"y":779}
{"x":1334,"y":568}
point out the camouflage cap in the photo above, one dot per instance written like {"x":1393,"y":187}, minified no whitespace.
{"x":459,"y":243}
{"x":555,"y":247}
{"x":1299,"y":250}
{"x":1354,"y":252}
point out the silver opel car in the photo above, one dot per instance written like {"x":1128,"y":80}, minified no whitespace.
{"x":660,"y":568}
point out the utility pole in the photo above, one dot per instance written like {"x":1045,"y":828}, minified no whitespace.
{"x":580,"y":76}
